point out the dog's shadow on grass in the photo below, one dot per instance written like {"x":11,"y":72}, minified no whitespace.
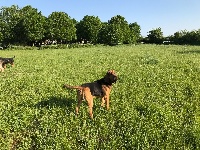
{"x":53,"y":102}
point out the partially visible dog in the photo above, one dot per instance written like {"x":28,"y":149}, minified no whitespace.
{"x":5,"y":61}
{"x":100,"y":88}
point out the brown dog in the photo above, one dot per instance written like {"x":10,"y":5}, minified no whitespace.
{"x":100,"y":88}
{"x":5,"y":61}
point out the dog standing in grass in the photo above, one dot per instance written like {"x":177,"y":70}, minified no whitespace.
{"x":100,"y":88}
{"x":5,"y":61}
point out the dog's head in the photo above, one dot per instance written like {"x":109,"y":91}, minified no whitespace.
{"x":110,"y":77}
{"x":9,"y":61}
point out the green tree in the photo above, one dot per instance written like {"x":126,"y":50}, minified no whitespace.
{"x":9,"y":18}
{"x":198,"y":37}
{"x":116,"y":31}
{"x":180,"y":37}
{"x":60,"y":27}
{"x":186,"y":37}
{"x":88,"y":29}
{"x":134,"y":34}
{"x":1,"y":31}
{"x":102,"y":35}
{"x":155,"y":36}
{"x":177,"y":36}
{"x":1,"y":37}
{"x":192,"y":37}
{"x":30,"y":28}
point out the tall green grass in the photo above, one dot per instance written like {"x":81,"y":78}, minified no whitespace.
{"x":154,"y":105}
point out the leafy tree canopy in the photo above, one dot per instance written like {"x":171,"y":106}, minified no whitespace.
{"x":88,"y":29}
{"x":9,"y":18}
{"x":32,"y":24}
{"x":155,"y":36}
{"x":118,"y":30}
{"x":60,"y":27}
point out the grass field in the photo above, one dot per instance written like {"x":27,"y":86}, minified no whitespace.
{"x":154,"y":105}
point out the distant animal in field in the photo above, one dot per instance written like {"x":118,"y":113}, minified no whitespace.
{"x":100,"y":88}
{"x":5,"y":61}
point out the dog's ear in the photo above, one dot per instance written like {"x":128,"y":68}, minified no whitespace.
{"x":108,"y":72}
{"x":111,"y":72}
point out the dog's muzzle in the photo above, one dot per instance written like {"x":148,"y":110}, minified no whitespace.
{"x":114,"y":79}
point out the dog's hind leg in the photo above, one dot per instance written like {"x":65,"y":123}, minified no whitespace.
{"x":90,"y":106}
{"x":78,"y":106}
{"x":105,"y":98}
{"x":80,"y":98}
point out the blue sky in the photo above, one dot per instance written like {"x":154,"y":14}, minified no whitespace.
{"x":170,"y":15}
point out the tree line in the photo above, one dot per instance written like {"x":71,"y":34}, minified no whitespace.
{"x":27,"y":25}
{"x":182,"y":37}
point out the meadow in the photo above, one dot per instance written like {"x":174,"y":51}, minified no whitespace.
{"x":155,"y":104}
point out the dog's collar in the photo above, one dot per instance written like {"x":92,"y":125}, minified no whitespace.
{"x":106,"y":83}
{"x":103,"y":82}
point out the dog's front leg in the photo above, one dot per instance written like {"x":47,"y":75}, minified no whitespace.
{"x":107,"y":102}
{"x":2,"y":69}
{"x":102,"y":102}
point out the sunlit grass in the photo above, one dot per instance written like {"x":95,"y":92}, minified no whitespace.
{"x":154,"y":105}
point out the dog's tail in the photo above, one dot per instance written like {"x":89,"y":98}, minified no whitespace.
{"x":72,"y":87}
